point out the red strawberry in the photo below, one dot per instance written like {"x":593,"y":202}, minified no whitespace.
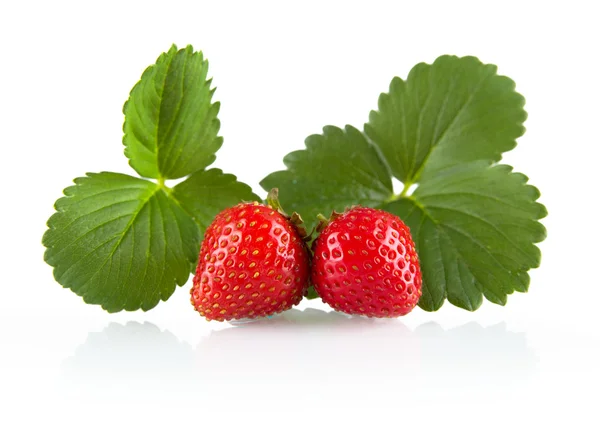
{"x":365,"y":263}
{"x":253,"y":263}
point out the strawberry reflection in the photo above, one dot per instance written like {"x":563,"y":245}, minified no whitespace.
{"x":335,"y":356}
{"x":309,"y":355}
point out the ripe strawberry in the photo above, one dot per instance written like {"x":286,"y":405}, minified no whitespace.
{"x":365,"y":263}
{"x":253,"y":263}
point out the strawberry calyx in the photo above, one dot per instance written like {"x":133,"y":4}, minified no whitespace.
{"x":273,"y":201}
{"x":324,"y":221}
{"x":295,"y":219}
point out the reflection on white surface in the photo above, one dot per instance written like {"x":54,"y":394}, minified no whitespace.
{"x":315,"y":354}
{"x":333,"y":356}
{"x":131,"y":361}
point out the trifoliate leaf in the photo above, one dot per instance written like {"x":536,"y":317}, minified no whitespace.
{"x":120,"y":242}
{"x":338,"y":169}
{"x":453,"y":111}
{"x":475,"y":228}
{"x":171,"y":126}
{"x":206,"y":193}
{"x":475,"y":225}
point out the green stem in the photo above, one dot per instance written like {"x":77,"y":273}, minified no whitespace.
{"x":323,"y":222}
{"x":322,"y":218}
{"x":402,"y":194}
{"x":273,"y":200}
{"x":160,"y":183}
{"x":405,"y":189}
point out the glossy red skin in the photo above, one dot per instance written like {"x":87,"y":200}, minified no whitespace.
{"x":365,"y":263}
{"x":252,"y":263}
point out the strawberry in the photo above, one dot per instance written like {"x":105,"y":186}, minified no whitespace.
{"x":365,"y":263}
{"x":253,"y":263}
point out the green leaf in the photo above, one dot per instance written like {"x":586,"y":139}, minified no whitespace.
{"x":206,"y":193}
{"x":453,"y":111}
{"x":170,"y":125}
{"x":475,"y":225}
{"x":338,"y":169}
{"x":475,"y":228}
{"x":120,"y":242}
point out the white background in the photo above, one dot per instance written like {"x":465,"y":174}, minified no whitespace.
{"x":282,"y":73}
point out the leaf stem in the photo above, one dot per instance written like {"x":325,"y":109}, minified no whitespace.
{"x":403,"y":193}
{"x":405,"y":189}
{"x":160,"y":183}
